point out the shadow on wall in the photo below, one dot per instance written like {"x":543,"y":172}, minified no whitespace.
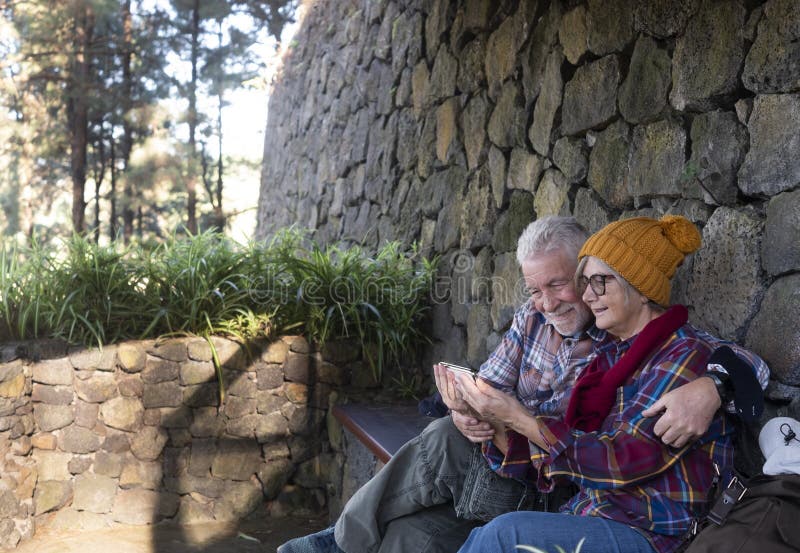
{"x":135,"y":434}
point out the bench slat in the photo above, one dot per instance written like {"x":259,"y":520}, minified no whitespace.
{"x":382,"y":428}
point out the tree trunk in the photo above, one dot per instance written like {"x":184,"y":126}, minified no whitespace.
{"x":126,"y":142}
{"x":191,"y":174}
{"x":78,"y":111}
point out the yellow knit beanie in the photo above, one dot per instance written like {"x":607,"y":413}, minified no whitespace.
{"x":645,"y":251}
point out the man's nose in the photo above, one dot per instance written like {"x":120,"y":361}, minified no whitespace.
{"x":549,"y":302}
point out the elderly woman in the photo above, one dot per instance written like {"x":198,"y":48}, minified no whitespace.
{"x":636,"y":494}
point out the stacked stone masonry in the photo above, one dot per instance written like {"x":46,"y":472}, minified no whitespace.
{"x":135,"y":434}
{"x":456,"y":123}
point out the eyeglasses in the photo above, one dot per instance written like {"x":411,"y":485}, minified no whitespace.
{"x":597,"y":282}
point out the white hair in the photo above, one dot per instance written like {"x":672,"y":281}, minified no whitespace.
{"x":551,"y":233}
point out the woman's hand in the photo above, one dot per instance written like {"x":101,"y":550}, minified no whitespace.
{"x":501,"y":409}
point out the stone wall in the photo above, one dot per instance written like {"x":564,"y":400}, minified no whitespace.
{"x":135,"y":433}
{"x":456,"y":123}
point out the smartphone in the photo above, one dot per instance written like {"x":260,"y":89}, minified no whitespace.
{"x":472,"y":372}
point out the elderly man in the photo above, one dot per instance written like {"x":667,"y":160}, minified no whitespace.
{"x":439,"y":486}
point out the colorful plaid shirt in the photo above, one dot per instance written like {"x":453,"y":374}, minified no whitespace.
{"x":624,"y":471}
{"x":536,"y":364}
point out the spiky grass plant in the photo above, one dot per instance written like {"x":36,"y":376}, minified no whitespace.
{"x":209,"y":285}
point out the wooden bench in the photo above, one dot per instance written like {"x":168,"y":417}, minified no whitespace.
{"x":383,"y":429}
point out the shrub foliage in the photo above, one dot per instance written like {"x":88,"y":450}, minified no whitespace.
{"x":208,"y":285}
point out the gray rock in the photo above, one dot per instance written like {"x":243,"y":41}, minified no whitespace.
{"x":52,"y":465}
{"x":708,"y":57}
{"x":447,"y":233}
{"x":547,"y":104}
{"x":141,"y":475}
{"x":270,"y":427}
{"x":242,"y":385}
{"x":512,"y":222}
{"x":94,"y":493}
{"x":316,"y":472}
{"x":771,"y":165}
{"x":643,"y":94}
{"x":108,"y":464}
{"x":171,"y":350}
{"x":506,"y":127}
{"x":426,"y":145}
{"x":479,"y":214}
{"x":478,"y":320}
{"x":236,"y":460}
{"x":770,"y":335}
{"x":470,"y":65}
{"x":383,"y":45}
{"x":274,"y":475}
{"x":78,"y":440}
{"x":86,"y":414}
{"x":780,"y":251}
{"x":269,"y":376}
{"x":474,"y":118}
{"x":446,"y":130}
{"x":130,"y":386}
{"x":482,"y":271}
{"x":52,"y":395}
{"x":718,"y":147}
{"x":406,"y":30}
{"x":773,"y":61}
{"x":744,"y":108}
{"x":442,"y":82}
{"x":51,"y":495}
{"x":590,"y":97}
{"x":206,"y":422}
{"x":202,"y":395}
{"x":657,"y":159}
{"x":497,"y":175}
{"x":239,"y":500}
{"x":238,"y":407}
{"x":440,"y":188}
{"x":163,"y":394}
{"x":137,"y":506}
{"x":552,"y":194}
{"x":608,"y":165}
{"x":420,"y":84}
{"x":436,"y":25}
{"x":573,"y":34}
{"x":83,"y":358}
{"x":197,"y":372}
{"x":79,"y":465}
{"x":160,"y":370}
{"x":123,"y":413}
{"x":502,"y":48}
{"x":609,"y":24}
{"x":148,"y":443}
{"x":589,"y":212}
{"x":507,"y":290}
{"x":97,"y":389}
{"x":571,"y":156}
{"x":725,"y":280}
{"x":663,"y":18}
{"x":199,"y":350}
{"x":52,"y":417}
{"x":53,"y":371}
{"x":275,"y":352}
{"x":116,"y":441}
{"x":524,"y":170}
{"x":543,"y":38}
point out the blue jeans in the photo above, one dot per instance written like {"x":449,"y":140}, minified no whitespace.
{"x":548,"y":530}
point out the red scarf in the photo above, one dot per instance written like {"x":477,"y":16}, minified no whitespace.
{"x":596,"y":389}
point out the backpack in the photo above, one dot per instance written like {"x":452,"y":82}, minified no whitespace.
{"x":766,"y":519}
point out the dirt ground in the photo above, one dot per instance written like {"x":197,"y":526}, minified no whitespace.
{"x":247,"y":537}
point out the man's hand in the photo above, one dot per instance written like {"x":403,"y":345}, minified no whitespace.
{"x":686,"y":412}
{"x":476,"y":431}
{"x":445,"y":383}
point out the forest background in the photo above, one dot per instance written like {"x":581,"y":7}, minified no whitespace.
{"x":112,"y":113}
